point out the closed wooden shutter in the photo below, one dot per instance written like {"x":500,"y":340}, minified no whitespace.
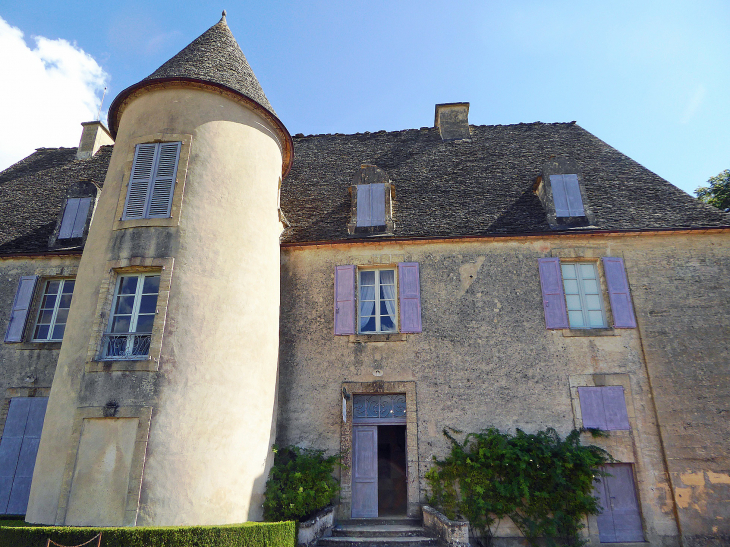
{"x":553,"y":297}
{"x":69,"y":218}
{"x":591,"y":408}
{"x":82,"y":213}
{"x":21,"y":305}
{"x":604,"y":408}
{"x":18,"y":450}
{"x":345,"y":299}
{"x":614,"y":405}
{"x":140,"y":181}
{"x":409,"y":291}
{"x":377,"y":196}
{"x":620,"y":519}
{"x":618,"y":293}
{"x":364,"y":205}
{"x":163,"y":184}
{"x":566,"y":196}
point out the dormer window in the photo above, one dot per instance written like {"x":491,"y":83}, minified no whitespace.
{"x":371,"y":207}
{"x":566,"y":196}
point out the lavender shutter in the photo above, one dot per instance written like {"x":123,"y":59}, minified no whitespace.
{"x":574,"y":199}
{"x":364,"y":205}
{"x":553,"y":297}
{"x":69,"y":218}
{"x":82,"y":213}
{"x":21,"y":305}
{"x":10,"y":446}
{"x":18,"y":502}
{"x":614,"y":405}
{"x":377,"y":202}
{"x":139,"y":181}
{"x":592,"y":408}
{"x":344,"y":299}
{"x":560,"y":197}
{"x":618,"y":293}
{"x":163,"y":184}
{"x":409,"y":291}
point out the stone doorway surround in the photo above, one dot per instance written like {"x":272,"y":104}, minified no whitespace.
{"x":348,"y":390}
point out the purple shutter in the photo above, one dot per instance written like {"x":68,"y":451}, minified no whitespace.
{"x":618,"y":293}
{"x":621,"y":506}
{"x":18,"y":502}
{"x":21,"y":306}
{"x":81,"y":215}
{"x":560,"y":197}
{"x":345,"y":299}
{"x":409,"y":291}
{"x":364,"y":205}
{"x":365,"y":471}
{"x":377,"y":197}
{"x":591,"y":407}
{"x":10,"y":446}
{"x":614,"y":405}
{"x":69,"y":218}
{"x":606,"y":530}
{"x":572,"y":192}
{"x":553,"y":298}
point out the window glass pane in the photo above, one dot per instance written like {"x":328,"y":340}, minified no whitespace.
{"x":387,"y":277}
{"x":49,"y":301}
{"x":68,"y":286}
{"x":367,"y":324}
{"x":571,"y":286}
{"x":121,"y":323}
{"x":587,"y":271}
{"x":575,"y":318}
{"x":385,"y":306}
{"x":367,"y":292}
{"x":568,"y":271}
{"x":61,"y":315}
{"x":65,"y":301}
{"x":148,"y":303}
{"x":573,"y":301}
{"x":124,"y":305}
{"x":128,"y":285}
{"x":593,"y":302}
{"x":41,"y":332}
{"x":144,"y":323}
{"x":58,"y":332}
{"x":367,"y":278}
{"x":367,"y":307}
{"x":151,"y":284}
{"x":590,"y":286}
{"x":595,"y":319}
{"x":387,"y":324}
{"x":52,"y":287}
{"x":45,"y":317}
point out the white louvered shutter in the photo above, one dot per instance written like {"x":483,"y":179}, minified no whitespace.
{"x":163,"y":183}
{"x":140,"y":181}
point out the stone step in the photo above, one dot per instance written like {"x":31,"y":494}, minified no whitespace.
{"x":378,"y":541}
{"x":378,"y":530}
{"x":383,"y":521}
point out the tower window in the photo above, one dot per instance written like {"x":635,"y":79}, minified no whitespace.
{"x":152,"y":182}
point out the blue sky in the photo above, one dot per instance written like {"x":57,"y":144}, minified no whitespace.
{"x":650,"y":78}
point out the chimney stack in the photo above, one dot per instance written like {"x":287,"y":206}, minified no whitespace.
{"x":452,"y":120}
{"x":93,"y":136}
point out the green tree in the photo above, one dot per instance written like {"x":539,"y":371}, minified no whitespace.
{"x":718,"y":193}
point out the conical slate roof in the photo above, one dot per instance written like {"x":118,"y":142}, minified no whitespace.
{"x":215,"y":57}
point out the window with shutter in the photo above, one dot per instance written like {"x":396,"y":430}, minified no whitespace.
{"x":371,"y":204}
{"x":74,"y":219}
{"x":566,"y":196}
{"x":604,"y":408}
{"x":18,"y":449}
{"x":152,"y":181}
{"x":53,"y":310}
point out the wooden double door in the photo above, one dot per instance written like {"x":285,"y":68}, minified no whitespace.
{"x":379,"y":468}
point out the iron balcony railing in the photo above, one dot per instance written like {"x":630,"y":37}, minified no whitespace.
{"x":125,"y":346}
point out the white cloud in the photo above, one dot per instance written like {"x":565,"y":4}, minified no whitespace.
{"x":46,"y":93}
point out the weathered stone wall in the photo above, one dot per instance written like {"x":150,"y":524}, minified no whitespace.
{"x":27,"y":368}
{"x":484,"y":357}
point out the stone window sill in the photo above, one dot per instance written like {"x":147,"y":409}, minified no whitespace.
{"x":362,"y":338}
{"x":579,"y":333}
{"x":39,"y":345}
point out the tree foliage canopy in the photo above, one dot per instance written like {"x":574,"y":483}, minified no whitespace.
{"x":718,"y":191}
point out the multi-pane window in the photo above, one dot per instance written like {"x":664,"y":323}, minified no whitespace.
{"x":583,"y":296}
{"x":377,"y":303}
{"x":53,"y":312}
{"x":133,"y":314}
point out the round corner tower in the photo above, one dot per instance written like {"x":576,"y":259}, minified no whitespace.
{"x":163,"y":406}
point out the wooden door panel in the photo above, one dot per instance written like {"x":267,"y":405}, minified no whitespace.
{"x":365,"y":471}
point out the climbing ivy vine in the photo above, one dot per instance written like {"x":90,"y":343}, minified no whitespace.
{"x":543,"y":483}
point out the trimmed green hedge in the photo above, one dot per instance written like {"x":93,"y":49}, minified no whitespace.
{"x":249,"y":534}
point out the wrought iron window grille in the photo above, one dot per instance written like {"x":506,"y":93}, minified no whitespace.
{"x":125,"y":346}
